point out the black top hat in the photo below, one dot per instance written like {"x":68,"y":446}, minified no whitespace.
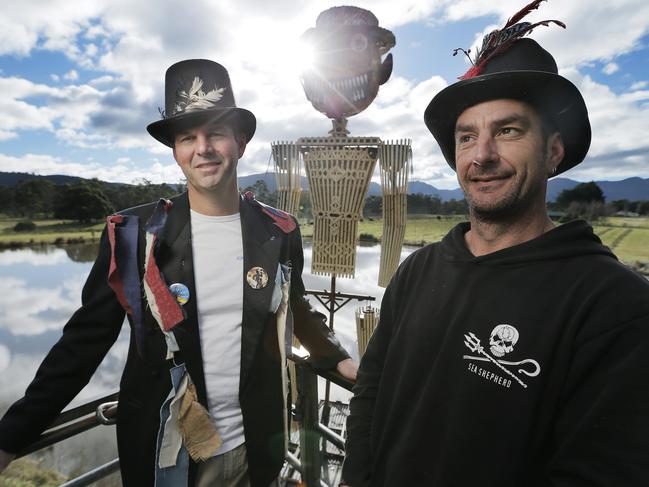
{"x":520,"y":69}
{"x":198,"y":91}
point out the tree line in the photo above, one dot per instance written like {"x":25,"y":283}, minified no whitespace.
{"x":586,"y":200}
{"x":91,"y":200}
{"x":84,"y":201}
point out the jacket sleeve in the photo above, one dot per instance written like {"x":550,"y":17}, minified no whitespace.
{"x":602,"y":429}
{"x":357,"y":468}
{"x":310,"y":326}
{"x":69,"y":365}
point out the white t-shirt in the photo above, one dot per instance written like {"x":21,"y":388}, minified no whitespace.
{"x":218,"y":269}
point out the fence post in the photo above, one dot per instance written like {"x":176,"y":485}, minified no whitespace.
{"x":309,"y":430}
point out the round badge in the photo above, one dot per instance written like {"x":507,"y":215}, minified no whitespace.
{"x":180,"y":292}
{"x":257,"y":278}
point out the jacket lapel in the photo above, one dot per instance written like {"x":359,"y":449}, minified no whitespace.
{"x":261,"y":248}
{"x":176,"y":263}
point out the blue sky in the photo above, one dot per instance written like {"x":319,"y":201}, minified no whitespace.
{"x":79,"y":81}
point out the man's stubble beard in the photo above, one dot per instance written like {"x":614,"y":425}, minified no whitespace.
{"x":513,"y":206}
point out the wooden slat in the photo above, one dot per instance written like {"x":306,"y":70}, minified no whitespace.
{"x":395,"y":158}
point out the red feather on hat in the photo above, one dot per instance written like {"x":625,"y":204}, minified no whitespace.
{"x":499,"y":40}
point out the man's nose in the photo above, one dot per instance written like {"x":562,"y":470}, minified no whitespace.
{"x":486,"y":150}
{"x":203,"y":145}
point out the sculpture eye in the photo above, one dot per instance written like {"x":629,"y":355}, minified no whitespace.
{"x":358,"y":42}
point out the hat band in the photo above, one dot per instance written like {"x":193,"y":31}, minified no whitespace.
{"x":196,"y":99}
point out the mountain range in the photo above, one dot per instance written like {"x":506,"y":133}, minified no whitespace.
{"x":632,"y":189}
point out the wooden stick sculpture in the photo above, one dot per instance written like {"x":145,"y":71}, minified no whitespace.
{"x":339,"y":171}
{"x":395,"y":158}
{"x":366,"y":320}
{"x":287,"y":174}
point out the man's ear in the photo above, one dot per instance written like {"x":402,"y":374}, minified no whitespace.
{"x":556,"y":152}
{"x":242,"y":143}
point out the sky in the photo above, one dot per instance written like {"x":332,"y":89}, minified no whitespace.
{"x":81,"y":80}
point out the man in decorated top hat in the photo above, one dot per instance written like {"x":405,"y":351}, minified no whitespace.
{"x":514,"y":352}
{"x":211,"y":284}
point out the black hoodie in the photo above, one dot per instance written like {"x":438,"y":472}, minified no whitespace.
{"x":527,"y":366}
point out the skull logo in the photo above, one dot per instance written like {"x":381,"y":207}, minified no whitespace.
{"x":502,"y":340}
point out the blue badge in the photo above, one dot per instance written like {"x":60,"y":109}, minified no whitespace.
{"x":180,"y":292}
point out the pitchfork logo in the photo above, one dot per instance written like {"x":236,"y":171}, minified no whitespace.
{"x":502,"y":340}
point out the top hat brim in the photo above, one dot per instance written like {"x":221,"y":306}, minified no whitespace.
{"x":552,"y":95}
{"x":165,"y":130}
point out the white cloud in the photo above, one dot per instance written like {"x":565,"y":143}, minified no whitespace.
{"x":619,"y":124}
{"x":71,"y":75}
{"x":101,"y":80}
{"x":5,"y":358}
{"x":43,"y":164}
{"x":91,"y":50}
{"x":610,"y":68}
{"x":49,"y":257}
{"x":596,"y":31}
{"x":7,"y":135}
{"x":639,"y":85}
{"x":30,"y":310}
{"x":18,"y":114}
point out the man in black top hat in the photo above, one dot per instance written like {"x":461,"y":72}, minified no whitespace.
{"x":513,"y":352}
{"x":211,"y":284}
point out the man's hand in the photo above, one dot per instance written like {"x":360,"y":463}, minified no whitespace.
{"x":5,"y":459}
{"x":347,"y":368}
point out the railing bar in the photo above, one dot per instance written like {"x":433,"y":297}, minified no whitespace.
{"x":336,"y":378}
{"x":94,"y":475}
{"x":332,"y":436}
{"x":294,"y":461}
{"x":51,"y":437}
{"x":358,"y":297}
{"x":83,"y":409}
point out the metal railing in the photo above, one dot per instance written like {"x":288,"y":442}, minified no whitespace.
{"x":101,"y":411}
{"x":311,"y":429}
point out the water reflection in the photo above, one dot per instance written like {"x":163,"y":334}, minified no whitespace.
{"x":364,"y":283}
{"x":40,"y":288}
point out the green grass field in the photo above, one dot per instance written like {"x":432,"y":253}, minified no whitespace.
{"x":628,"y":237}
{"x":47,"y":231}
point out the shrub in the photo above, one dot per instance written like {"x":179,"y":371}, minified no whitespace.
{"x":25,"y":226}
{"x":368,"y":237}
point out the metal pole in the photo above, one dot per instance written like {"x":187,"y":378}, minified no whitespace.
{"x":309,"y":426}
{"x":332,"y":313}
{"x":94,"y":475}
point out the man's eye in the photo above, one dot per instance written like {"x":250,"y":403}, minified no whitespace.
{"x":462,"y":139}
{"x":508,"y":131}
